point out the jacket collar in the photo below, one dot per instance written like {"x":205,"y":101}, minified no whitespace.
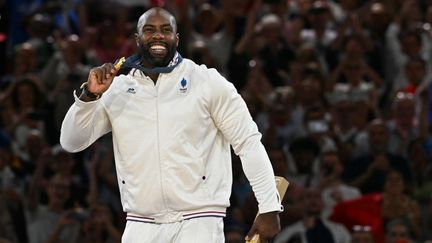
{"x":134,"y":60}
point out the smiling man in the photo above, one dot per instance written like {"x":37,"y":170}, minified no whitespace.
{"x":157,"y":38}
{"x":172,"y":123}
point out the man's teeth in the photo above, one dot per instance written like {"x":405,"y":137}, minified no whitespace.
{"x":158,"y":47}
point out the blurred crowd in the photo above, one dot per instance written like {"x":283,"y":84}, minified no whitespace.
{"x":339,"y":89}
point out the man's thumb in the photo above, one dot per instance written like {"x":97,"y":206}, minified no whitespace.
{"x":251,"y":234}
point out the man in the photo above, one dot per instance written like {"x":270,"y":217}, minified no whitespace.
{"x":53,"y":220}
{"x":368,"y":171}
{"x":362,"y":234}
{"x":398,"y":230}
{"x":172,"y":123}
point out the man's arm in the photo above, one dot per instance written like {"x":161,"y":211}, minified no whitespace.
{"x":232,"y":117}
{"x":267,"y":219}
{"x":86,"y":120}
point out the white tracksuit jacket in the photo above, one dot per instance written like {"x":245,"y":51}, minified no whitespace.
{"x":172,"y":143}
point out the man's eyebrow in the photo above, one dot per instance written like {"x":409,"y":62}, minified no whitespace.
{"x":153,"y":25}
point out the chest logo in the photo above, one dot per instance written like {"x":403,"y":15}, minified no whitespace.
{"x":183,"y":85}
{"x":131,"y":91}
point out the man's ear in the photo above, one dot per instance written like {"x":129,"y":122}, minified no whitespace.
{"x":177,"y":39}
{"x":137,"y":39}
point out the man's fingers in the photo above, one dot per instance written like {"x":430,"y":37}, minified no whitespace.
{"x":103,"y":73}
{"x":100,"y":78}
{"x":108,"y":70}
{"x":251,"y":233}
{"x":95,"y":75}
{"x":254,"y":239}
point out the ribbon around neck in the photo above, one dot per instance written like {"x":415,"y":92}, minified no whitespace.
{"x":134,"y":60}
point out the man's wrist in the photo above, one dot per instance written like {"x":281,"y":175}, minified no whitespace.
{"x":86,"y":95}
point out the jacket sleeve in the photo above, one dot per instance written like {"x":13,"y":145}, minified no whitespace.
{"x":232,"y":117}
{"x":83,"y":124}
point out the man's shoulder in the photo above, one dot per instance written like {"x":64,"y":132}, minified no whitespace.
{"x":208,"y":76}
{"x":199,"y":68}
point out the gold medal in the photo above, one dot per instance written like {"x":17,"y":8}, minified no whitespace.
{"x":119,"y":63}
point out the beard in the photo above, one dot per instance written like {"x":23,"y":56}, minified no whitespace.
{"x":156,"y":61}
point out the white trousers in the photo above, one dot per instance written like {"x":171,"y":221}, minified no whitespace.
{"x":197,"y":230}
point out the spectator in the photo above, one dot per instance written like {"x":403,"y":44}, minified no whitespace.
{"x":96,"y":226}
{"x":307,"y":62}
{"x":25,"y":61}
{"x":377,"y":18}
{"x":7,"y":231}
{"x":39,"y":29}
{"x":200,"y":53}
{"x":397,"y":230}
{"x":24,"y":108}
{"x":309,"y":93}
{"x":279,"y":161}
{"x":361,"y":212}
{"x":292,"y":24}
{"x":45,"y":221}
{"x":220,"y":27}
{"x":343,"y":125}
{"x":312,"y":227}
{"x":397,"y":204}
{"x":257,"y":85}
{"x":277,"y":125}
{"x":12,"y":217}
{"x":333,"y":190}
{"x":102,"y":180}
{"x":8,"y":177}
{"x":63,"y":163}
{"x":416,"y":75}
{"x":245,"y":51}
{"x":275,"y":55}
{"x":317,"y":123}
{"x":368,"y":171}
{"x":405,"y":41}
{"x":108,"y":44}
{"x":303,"y":166}
{"x":67,"y":60}
{"x":355,"y":71}
{"x":319,"y":35}
{"x":405,"y":123}
{"x":362,"y":234}
{"x":422,"y":170}
{"x":207,"y":22}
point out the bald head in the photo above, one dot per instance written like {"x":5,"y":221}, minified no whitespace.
{"x":155,"y":11}
{"x":157,"y":38}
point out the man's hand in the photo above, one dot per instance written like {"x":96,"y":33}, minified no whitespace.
{"x":100,"y":78}
{"x":266,"y":225}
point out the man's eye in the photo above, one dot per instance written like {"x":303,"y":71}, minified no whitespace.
{"x":167,"y":30}
{"x":147,"y":30}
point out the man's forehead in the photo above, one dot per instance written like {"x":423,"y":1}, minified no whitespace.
{"x":143,"y":20}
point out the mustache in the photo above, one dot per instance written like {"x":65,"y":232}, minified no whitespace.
{"x":144,"y":51}
{"x":157,"y":43}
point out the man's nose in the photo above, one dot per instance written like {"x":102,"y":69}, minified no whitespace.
{"x":158,"y":34}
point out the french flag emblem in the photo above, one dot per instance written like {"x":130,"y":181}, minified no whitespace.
{"x":183,"y":85}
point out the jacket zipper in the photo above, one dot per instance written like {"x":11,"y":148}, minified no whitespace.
{"x":158,"y":143}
